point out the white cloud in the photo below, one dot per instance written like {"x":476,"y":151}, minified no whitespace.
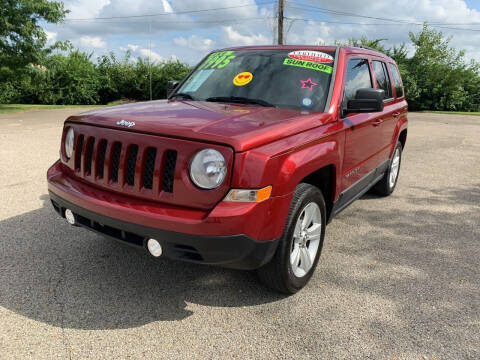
{"x":180,"y":41}
{"x":93,"y":41}
{"x":80,"y":9}
{"x":233,"y":37}
{"x":166,"y":6}
{"x":51,"y":37}
{"x":156,"y":57}
{"x":196,"y":43}
{"x":200,"y":32}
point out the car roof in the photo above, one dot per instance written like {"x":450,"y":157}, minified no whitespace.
{"x":347,"y":49}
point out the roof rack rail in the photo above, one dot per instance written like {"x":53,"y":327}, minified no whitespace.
{"x":369,"y":48}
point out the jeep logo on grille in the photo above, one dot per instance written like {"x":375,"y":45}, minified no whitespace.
{"x":126,"y":123}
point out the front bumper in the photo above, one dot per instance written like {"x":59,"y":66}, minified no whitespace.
{"x":236,"y":235}
{"x":232,"y":251}
{"x":260,"y":221}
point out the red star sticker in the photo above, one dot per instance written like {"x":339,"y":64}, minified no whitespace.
{"x":308,"y":84}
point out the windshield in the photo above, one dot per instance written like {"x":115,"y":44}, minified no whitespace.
{"x":282,"y":78}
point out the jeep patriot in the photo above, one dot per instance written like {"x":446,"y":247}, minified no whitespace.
{"x":244,"y":164}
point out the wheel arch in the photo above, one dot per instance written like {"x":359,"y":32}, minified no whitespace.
{"x":402,"y":137}
{"x":324,"y":179}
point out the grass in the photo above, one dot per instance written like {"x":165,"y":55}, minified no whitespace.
{"x":13,"y":108}
{"x":453,"y":112}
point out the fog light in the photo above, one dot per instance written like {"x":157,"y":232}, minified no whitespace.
{"x":154,"y":247}
{"x":70,"y":217}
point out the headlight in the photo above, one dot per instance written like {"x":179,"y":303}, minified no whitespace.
{"x":208,"y":169}
{"x":69,"y":139}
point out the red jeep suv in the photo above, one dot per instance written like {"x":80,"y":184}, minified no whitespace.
{"x":246,"y":162}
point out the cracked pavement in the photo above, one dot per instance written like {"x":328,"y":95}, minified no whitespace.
{"x":398,"y":277}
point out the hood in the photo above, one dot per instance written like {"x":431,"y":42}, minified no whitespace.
{"x":243,"y":127}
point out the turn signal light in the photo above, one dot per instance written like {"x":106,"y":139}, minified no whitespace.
{"x":249,"y":195}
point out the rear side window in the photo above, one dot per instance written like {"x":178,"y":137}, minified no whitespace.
{"x":357,"y":77}
{"x":397,"y":80}
{"x":383,"y":80}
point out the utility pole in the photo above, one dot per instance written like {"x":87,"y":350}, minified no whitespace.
{"x":281,"y":5}
{"x":150,"y":55}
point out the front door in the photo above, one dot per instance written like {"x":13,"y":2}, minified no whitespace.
{"x":363,"y":138}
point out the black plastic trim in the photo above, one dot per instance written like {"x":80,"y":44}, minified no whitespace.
{"x":332,"y":81}
{"x":358,"y":189}
{"x":233,"y":251}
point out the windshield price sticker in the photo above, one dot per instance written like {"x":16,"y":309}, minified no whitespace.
{"x":218,"y":60}
{"x":308,"y":65}
{"x":313,"y":56}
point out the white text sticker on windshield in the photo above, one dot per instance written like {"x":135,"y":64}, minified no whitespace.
{"x":197,"y":80}
{"x":313,"y":56}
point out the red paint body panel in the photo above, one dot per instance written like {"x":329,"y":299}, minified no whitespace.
{"x":255,"y":220}
{"x":185,"y":192}
{"x":242,"y":127}
{"x":262,"y":146}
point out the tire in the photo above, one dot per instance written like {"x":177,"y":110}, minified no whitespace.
{"x":389,"y":181}
{"x":301,"y":241}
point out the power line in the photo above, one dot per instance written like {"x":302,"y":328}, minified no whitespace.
{"x":398,"y":22}
{"x":127,"y":21}
{"x":170,"y":13}
{"x":356,"y":23}
{"x":345,"y":13}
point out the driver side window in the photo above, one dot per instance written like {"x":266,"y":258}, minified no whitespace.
{"x":357,"y":77}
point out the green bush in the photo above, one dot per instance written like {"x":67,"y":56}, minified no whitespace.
{"x":435,"y":77}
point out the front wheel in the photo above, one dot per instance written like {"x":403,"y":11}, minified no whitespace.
{"x":300,"y":246}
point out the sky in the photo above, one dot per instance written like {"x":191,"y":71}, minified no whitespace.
{"x":189,"y":29}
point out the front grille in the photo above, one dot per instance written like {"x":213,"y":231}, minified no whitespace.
{"x":117,"y":149}
{"x":150,"y":157}
{"x":131,"y":162}
{"x":117,"y":163}
{"x":169,"y":170}
{"x":101,"y":158}
{"x":88,"y":161}
{"x":78,"y":152}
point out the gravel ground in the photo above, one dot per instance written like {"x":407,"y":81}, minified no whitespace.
{"x":398,"y":277}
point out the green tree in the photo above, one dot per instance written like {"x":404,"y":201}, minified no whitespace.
{"x":440,"y":71}
{"x":436,"y":77}
{"x":66,"y":80}
{"x":22,"y":39}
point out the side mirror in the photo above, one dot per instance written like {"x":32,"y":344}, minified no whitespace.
{"x":366,"y":100}
{"x":171,"y":86}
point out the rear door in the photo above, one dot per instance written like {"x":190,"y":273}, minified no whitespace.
{"x":390,"y":112}
{"x":363,"y":138}
{"x":401,"y":106}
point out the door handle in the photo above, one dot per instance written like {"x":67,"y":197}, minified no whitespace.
{"x":377,"y":122}
{"x":396,"y":114}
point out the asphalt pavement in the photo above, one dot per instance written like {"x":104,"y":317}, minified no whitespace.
{"x":398,"y":277}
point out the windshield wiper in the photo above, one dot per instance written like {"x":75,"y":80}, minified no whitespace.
{"x":240,"y":100}
{"x":183,"y":95}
